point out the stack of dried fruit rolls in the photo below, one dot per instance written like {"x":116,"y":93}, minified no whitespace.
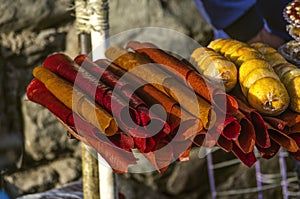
{"x":230,"y":94}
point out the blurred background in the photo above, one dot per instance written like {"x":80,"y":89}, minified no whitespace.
{"x":35,"y":153}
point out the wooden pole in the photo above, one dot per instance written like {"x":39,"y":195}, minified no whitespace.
{"x":90,"y":177}
{"x":98,"y":14}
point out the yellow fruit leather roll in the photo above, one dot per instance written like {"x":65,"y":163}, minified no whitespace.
{"x":163,"y":81}
{"x":77,"y":101}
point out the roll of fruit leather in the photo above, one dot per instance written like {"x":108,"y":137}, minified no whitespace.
{"x":229,"y":127}
{"x":294,"y":129}
{"x":94,"y":88}
{"x":246,"y":158}
{"x":225,"y":144}
{"x":117,"y":146}
{"x":262,"y":138}
{"x":77,"y":101}
{"x":124,"y":85}
{"x":270,"y":152}
{"x":142,"y":67}
{"x":189,"y":76}
{"x":38,"y":93}
{"x":282,"y":139}
{"x":140,"y":114}
{"x":290,"y":117}
{"x":111,"y":73}
{"x":103,"y":95}
{"x":176,"y":116}
{"x":277,"y":123}
{"x":92,"y":83}
{"x":295,"y":136}
{"x":246,"y":139}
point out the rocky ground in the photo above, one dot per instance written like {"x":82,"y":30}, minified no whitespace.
{"x":35,"y":153}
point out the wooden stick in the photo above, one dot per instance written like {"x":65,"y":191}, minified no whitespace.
{"x":90,"y":176}
{"x":98,"y":10}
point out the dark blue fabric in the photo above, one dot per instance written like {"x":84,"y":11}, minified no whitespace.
{"x":247,"y":25}
{"x":224,"y":12}
{"x":3,"y":195}
{"x":242,"y":19}
{"x":274,"y":16}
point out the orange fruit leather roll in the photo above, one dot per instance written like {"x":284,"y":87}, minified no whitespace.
{"x":142,"y":67}
{"x":282,"y":139}
{"x":77,"y":101}
{"x":189,"y":76}
{"x":291,"y":118}
{"x":277,"y":123}
{"x":296,"y":137}
{"x":176,"y":117}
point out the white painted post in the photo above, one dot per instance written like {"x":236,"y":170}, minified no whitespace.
{"x":98,"y":15}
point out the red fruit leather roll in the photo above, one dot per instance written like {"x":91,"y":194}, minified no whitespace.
{"x":176,"y":117}
{"x":291,"y":118}
{"x":88,"y":131}
{"x":294,"y":129}
{"x":277,"y":123}
{"x":247,"y":159}
{"x":101,"y":93}
{"x":246,"y":139}
{"x":229,"y":128}
{"x":189,"y":76}
{"x":282,"y":139}
{"x":117,"y":158}
{"x":199,"y":139}
{"x":38,"y":93}
{"x":98,"y":69}
{"x":225,"y":144}
{"x":261,"y":130}
{"x":214,"y":138}
{"x":116,"y":149}
{"x":268,"y":153}
{"x":148,"y":144}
